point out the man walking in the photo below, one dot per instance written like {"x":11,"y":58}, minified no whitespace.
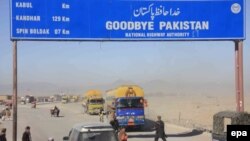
{"x":26,"y":135}
{"x":160,"y":131}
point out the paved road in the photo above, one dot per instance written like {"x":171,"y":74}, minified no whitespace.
{"x":44,"y":126}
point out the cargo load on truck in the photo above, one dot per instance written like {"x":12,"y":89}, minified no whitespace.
{"x":93,"y":101}
{"x":126,"y":104}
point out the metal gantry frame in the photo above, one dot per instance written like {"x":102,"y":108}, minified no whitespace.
{"x":239,"y":82}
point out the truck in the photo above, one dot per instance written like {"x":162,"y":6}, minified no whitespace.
{"x":29,"y":99}
{"x":65,"y":99}
{"x":74,"y":98}
{"x":126,"y":103}
{"x":93,"y":101}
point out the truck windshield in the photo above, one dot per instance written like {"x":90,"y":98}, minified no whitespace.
{"x":130,"y":103}
{"x":96,"y":101}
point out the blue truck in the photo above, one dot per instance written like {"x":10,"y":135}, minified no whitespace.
{"x":126,"y":104}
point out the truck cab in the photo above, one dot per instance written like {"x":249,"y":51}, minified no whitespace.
{"x":65,"y":99}
{"x":94,"y":105}
{"x":130,"y":111}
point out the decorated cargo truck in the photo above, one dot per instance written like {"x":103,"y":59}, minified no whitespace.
{"x":126,"y":103}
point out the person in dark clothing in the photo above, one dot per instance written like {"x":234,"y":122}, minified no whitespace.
{"x":3,"y":135}
{"x":160,"y":129}
{"x":26,"y":135}
{"x":115,"y":124}
{"x":55,"y":111}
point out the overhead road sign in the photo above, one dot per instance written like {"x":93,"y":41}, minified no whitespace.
{"x":127,"y":19}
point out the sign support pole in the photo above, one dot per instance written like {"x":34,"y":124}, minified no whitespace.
{"x":14,"y":137}
{"x":239,"y":76}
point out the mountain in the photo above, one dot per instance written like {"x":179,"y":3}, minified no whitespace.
{"x":151,"y":88}
{"x":28,"y":88}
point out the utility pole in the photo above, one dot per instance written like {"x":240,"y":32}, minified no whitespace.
{"x":14,"y":103}
{"x":239,"y":76}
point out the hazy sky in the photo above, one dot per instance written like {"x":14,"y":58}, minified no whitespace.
{"x":92,"y":63}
